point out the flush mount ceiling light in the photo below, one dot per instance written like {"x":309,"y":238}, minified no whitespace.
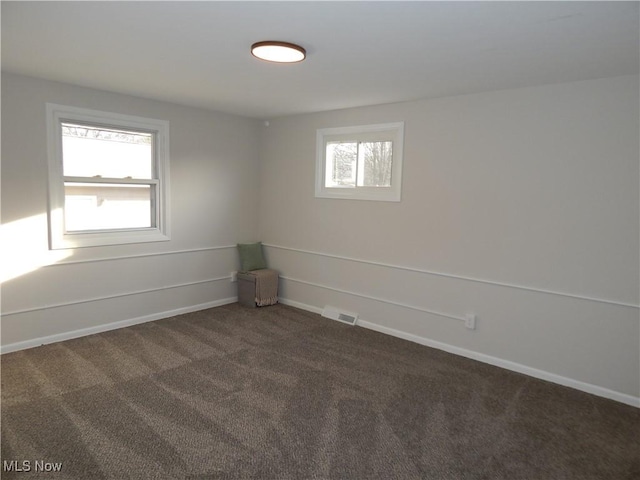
{"x":279,"y":52}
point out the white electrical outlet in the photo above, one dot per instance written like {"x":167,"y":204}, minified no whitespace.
{"x":234,"y":277}
{"x":470,"y":321}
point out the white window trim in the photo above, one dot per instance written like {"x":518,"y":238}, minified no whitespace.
{"x":389,"y":194}
{"x":58,"y":237}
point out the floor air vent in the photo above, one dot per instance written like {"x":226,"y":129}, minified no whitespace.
{"x":340,"y":315}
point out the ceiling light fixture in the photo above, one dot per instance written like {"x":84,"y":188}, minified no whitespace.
{"x":279,"y":52}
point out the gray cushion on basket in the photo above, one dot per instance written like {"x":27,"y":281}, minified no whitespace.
{"x":251,"y":256}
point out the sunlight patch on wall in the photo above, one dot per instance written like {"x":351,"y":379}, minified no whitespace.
{"x":24,"y":247}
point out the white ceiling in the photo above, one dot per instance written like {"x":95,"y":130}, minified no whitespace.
{"x":359,"y":53}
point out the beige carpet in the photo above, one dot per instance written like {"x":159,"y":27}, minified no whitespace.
{"x":279,"y":393}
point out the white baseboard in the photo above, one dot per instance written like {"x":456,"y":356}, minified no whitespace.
{"x":301,"y":306}
{"x":481,"y":357}
{"x":59,"y":337}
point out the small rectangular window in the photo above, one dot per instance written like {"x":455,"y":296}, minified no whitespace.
{"x":362,"y":162}
{"x":108,"y":178}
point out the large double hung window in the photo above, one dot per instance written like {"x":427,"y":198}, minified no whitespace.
{"x":108,"y":178}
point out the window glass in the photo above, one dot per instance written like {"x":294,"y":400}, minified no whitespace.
{"x":342,"y":159}
{"x":101,"y":206}
{"x":374,"y":164}
{"x":89,"y":151}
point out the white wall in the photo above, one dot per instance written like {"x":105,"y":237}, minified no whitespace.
{"x":534,"y":187}
{"x":214,"y":190}
{"x":524,"y":203}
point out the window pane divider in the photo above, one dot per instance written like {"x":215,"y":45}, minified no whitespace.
{"x":111,"y":230}
{"x":111,"y":180}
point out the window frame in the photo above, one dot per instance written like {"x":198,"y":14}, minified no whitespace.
{"x":357,"y":134}
{"x":59,"y":238}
